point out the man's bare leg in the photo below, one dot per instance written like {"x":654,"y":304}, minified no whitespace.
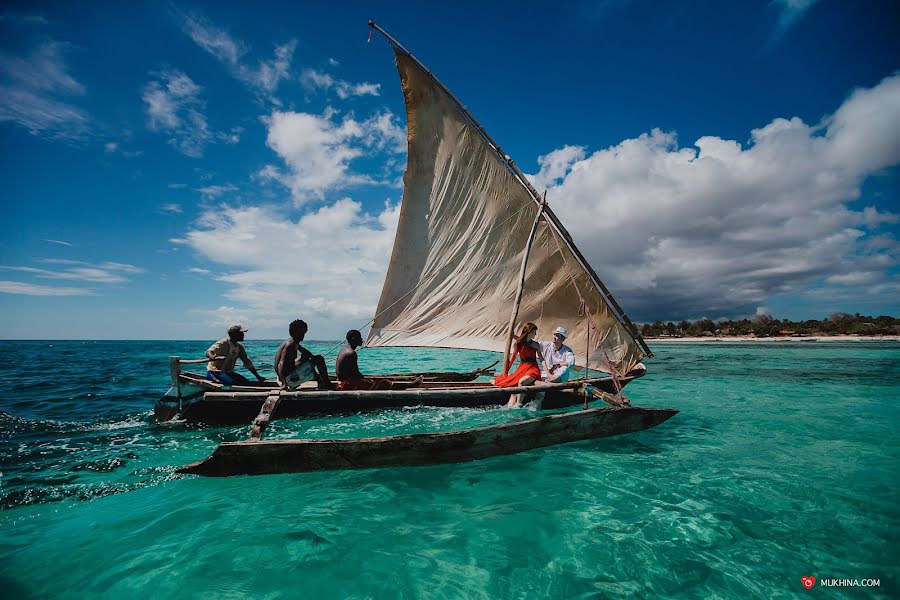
{"x":321,"y":371}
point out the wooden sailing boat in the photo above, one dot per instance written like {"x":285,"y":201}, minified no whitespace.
{"x":477,"y":251}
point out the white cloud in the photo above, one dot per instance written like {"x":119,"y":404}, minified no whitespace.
{"x":32,"y":91}
{"x":328,"y":265}
{"x":174,"y":107}
{"x":20,"y":19}
{"x":230,"y":137}
{"x":555,"y":165}
{"x":790,"y":11}
{"x":107,"y":272}
{"x":198,"y":271}
{"x":116,"y":148}
{"x":171,"y":209}
{"x":60,"y":242}
{"x":264,"y":77}
{"x":318,"y":151}
{"x":211,"y":192}
{"x":858,"y":278}
{"x":313,"y":80}
{"x":30,"y":289}
{"x":719,"y":228}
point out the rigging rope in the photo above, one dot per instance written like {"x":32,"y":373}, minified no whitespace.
{"x":583,"y":310}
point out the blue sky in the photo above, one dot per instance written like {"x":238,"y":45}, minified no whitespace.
{"x":171,"y":168}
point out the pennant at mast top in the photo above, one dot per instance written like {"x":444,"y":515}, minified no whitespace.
{"x":470,"y":223}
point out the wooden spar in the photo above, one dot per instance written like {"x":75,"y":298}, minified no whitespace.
{"x":423,"y":394}
{"x":511,"y":330}
{"x":551,"y":218}
{"x":193,"y":361}
{"x":554,"y":222}
{"x":298,"y":456}
{"x":265,"y":414}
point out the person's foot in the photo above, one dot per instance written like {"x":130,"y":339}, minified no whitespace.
{"x":514,"y":401}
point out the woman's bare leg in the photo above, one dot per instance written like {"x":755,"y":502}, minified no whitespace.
{"x":515,"y":400}
{"x":526,"y":398}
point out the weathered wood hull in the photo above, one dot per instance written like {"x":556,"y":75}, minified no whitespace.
{"x":236,"y":407}
{"x":299,"y":456}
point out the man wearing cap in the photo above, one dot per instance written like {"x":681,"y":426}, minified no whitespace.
{"x":223,"y":356}
{"x":557,"y":357}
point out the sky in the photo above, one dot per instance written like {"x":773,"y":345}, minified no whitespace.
{"x":169,"y":169}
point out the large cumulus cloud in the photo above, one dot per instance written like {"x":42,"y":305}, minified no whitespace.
{"x":720,"y":227}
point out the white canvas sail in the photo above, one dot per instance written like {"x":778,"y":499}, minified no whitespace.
{"x":464,"y":225}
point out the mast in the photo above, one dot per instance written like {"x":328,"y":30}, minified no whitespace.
{"x":549,"y":216}
{"x":518,"y":301}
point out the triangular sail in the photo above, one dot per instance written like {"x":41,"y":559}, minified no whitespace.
{"x":464,"y":224}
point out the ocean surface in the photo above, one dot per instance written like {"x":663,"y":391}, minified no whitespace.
{"x":783,"y":462}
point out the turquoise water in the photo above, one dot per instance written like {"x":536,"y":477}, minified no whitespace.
{"x":784,"y":462}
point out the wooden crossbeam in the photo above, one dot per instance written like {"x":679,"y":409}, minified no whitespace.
{"x":265,"y":415}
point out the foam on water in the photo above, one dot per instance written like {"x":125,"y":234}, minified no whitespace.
{"x":783,"y":462}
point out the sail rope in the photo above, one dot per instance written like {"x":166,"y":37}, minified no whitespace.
{"x":583,"y":310}
{"x":415,"y":287}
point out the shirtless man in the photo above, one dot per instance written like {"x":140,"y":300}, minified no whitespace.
{"x":294,"y":364}
{"x":349,"y":376}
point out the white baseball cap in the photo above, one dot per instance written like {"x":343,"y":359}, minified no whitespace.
{"x":562,"y":331}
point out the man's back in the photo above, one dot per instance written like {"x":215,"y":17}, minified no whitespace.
{"x":228,"y":349}
{"x":347,"y":365}
{"x":285,"y":358}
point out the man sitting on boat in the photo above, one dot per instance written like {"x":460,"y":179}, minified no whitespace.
{"x":349,"y":376}
{"x":223,"y":356}
{"x":557,"y":357}
{"x":295,"y":365}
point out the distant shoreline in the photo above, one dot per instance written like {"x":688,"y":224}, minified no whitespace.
{"x":779,"y":338}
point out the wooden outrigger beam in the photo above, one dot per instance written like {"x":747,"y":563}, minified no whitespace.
{"x":265,"y":414}
{"x":424,"y":394}
{"x":299,"y":456}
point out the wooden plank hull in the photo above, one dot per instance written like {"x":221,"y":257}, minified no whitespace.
{"x":299,"y":456}
{"x":231,"y":408}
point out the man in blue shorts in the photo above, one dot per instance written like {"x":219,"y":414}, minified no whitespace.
{"x":223,"y":356}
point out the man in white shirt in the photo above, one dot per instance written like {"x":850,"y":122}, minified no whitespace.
{"x":557,"y":357}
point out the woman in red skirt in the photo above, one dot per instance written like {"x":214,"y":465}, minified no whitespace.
{"x":528,"y":372}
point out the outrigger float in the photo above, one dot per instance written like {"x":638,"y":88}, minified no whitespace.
{"x":477,"y":251}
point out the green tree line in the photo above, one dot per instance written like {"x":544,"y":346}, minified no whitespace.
{"x":839,"y":323}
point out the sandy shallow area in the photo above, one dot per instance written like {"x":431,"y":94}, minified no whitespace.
{"x":821,"y":338}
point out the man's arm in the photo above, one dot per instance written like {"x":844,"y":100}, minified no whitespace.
{"x":346,"y":366}
{"x":285,"y":366}
{"x":561,"y":369}
{"x":353,"y":365}
{"x":249,"y":364}
{"x":214,"y":351}
{"x":302,"y":356}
